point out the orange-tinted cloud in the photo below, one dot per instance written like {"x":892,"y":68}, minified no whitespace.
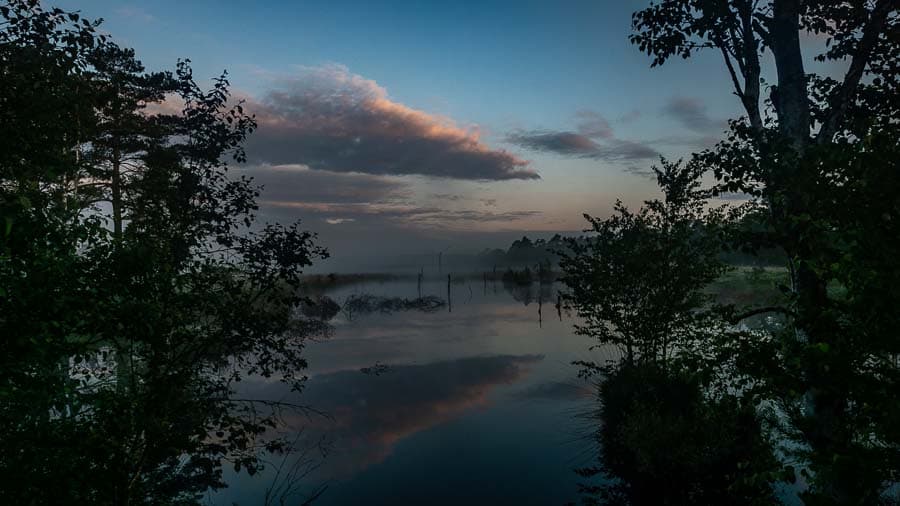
{"x":330,"y":119}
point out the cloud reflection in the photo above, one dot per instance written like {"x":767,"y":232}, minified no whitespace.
{"x":372,"y":413}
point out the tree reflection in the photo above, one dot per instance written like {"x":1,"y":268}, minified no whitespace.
{"x":663,"y":442}
{"x":531,"y":293}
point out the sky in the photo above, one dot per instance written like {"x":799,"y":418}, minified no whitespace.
{"x":391,"y":127}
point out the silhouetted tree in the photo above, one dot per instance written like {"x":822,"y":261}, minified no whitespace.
{"x":121,"y":344}
{"x":821,"y":155}
{"x":636,"y":280}
{"x":669,"y":432}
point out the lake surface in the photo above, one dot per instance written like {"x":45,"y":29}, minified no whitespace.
{"x":473,"y":404}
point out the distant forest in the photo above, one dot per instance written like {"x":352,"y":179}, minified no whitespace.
{"x":528,"y":252}
{"x":525,"y":251}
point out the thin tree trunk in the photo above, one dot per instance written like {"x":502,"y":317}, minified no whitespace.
{"x":116,"y":179}
{"x":116,"y":183}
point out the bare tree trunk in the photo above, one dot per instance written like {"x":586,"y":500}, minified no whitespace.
{"x":826,"y":401}
{"x":791,"y":99}
{"x":116,"y":184}
{"x":750,"y":68}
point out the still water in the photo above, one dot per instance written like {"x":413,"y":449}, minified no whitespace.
{"x":478,"y":403}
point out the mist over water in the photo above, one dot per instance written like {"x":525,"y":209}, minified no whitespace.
{"x":388,"y":252}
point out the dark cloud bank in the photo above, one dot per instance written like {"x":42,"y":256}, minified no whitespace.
{"x":691,"y":113}
{"x":368,"y":200}
{"x":293,"y":183}
{"x":593,"y":138}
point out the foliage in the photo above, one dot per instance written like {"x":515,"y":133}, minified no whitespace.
{"x":524,"y":251}
{"x":670,"y":431}
{"x":820,"y":154}
{"x":183,"y":291}
{"x":637,"y":280}
{"x":514,"y":277}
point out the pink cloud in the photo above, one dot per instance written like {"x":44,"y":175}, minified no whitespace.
{"x":330,"y":119}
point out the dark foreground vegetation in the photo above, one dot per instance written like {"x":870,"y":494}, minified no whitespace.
{"x":123,"y":242}
{"x":137,"y":287}
{"x":701,"y":409}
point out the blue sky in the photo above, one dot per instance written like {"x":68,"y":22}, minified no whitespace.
{"x":497,"y":62}
{"x":510,"y":75}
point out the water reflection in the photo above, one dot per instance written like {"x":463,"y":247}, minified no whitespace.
{"x":557,"y":390}
{"x":371,"y":414}
{"x":530,"y":293}
{"x":479,"y":393}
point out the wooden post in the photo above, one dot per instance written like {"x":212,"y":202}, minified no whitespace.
{"x":540,"y":308}
{"x":419,"y":283}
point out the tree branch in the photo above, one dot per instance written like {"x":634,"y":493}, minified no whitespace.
{"x":734,"y":79}
{"x":735,"y":319}
{"x":751,"y":69}
{"x":867,"y":43}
